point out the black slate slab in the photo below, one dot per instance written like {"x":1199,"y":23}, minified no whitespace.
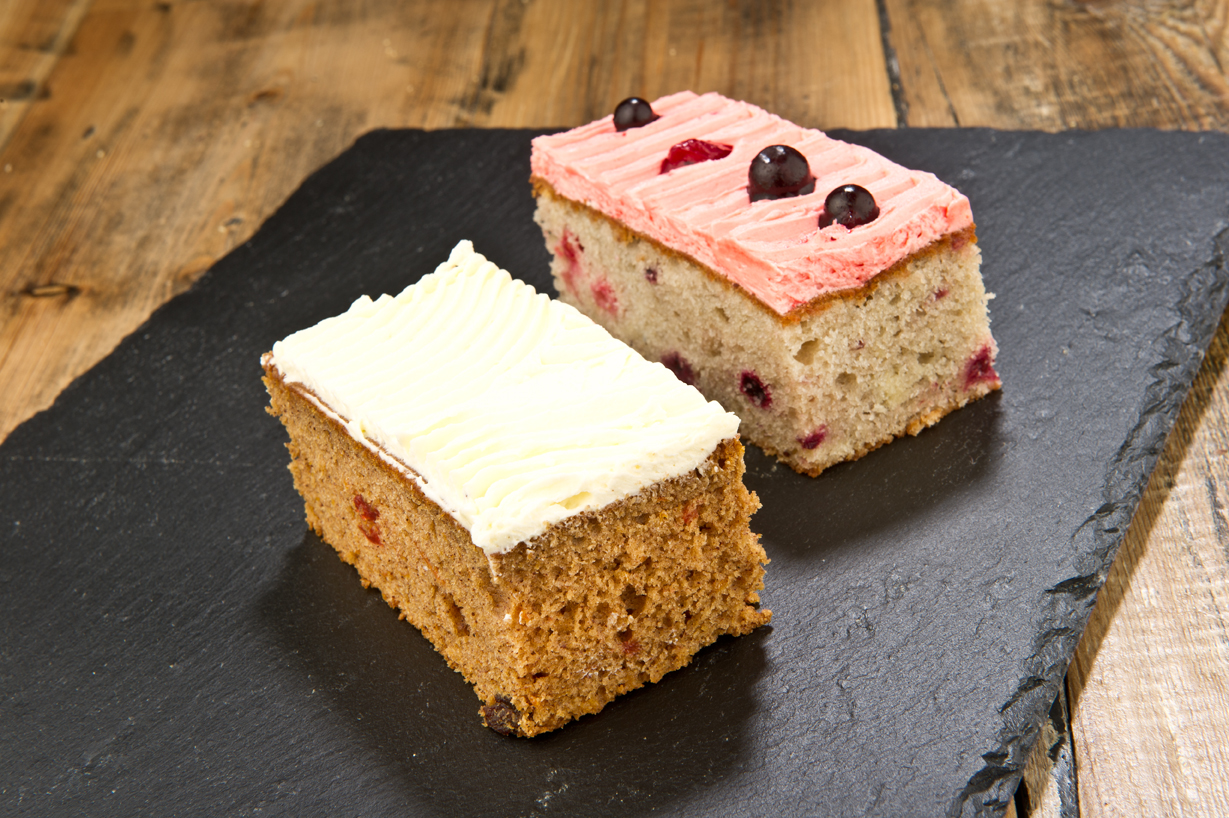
{"x":175,"y":641}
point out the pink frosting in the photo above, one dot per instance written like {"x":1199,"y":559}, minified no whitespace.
{"x":773,"y":249}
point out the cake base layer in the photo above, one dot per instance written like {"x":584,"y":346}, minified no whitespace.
{"x":600,"y":604}
{"x":827,"y":383}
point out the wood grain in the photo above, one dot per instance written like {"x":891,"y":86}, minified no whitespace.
{"x":141,"y":140}
{"x":33,"y":35}
{"x":1056,"y":65}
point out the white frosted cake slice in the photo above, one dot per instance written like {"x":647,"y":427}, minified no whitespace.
{"x":829,"y":296}
{"x":564,"y":520}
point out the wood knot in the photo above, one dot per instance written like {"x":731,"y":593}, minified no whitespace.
{"x":52,"y":290}
{"x":17,"y":91}
{"x":265,"y":95}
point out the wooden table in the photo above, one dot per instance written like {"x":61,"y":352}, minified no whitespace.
{"x":140,"y":140}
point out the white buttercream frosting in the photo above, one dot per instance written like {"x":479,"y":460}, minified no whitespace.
{"x":510,"y":410}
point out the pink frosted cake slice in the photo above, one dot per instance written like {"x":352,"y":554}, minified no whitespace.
{"x":828,"y":341}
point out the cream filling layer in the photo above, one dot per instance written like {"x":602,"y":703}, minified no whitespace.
{"x":509,"y":410}
{"x":774,"y":249}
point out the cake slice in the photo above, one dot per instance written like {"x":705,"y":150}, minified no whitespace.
{"x":704,"y":235}
{"x":564,"y":520}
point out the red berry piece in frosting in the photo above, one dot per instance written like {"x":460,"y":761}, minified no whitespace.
{"x":755,"y":390}
{"x":692,"y":151}
{"x":678,"y":365}
{"x":849,"y":205}
{"x":778,"y":172}
{"x":980,"y":368}
{"x":632,"y":113}
{"x":815,"y":438}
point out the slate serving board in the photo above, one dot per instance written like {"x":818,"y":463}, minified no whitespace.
{"x":175,"y":641}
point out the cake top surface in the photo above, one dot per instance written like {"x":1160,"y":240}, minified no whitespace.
{"x":508,"y":409}
{"x":773,"y":249}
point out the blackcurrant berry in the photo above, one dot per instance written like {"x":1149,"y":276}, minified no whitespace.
{"x":850,"y":205}
{"x":632,"y":113}
{"x":779,"y":171}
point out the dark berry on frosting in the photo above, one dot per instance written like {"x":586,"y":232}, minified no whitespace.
{"x":755,"y":390}
{"x":632,"y":113}
{"x":849,"y":205}
{"x":815,"y":438}
{"x":691,"y":151}
{"x":777,"y":172}
{"x":678,"y":365}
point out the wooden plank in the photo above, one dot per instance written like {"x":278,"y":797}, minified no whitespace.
{"x":173,"y":129}
{"x":583,"y":59}
{"x":1050,"y":66}
{"x":33,"y":35}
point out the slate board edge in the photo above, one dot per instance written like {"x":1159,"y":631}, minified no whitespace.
{"x":989,"y":791}
{"x":1098,"y":540}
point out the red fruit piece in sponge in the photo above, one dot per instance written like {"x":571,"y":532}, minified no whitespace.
{"x":569,"y":249}
{"x":678,"y":365}
{"x":815,"y":438}
{"x":980,"y":368}
{"x":756,"y":390}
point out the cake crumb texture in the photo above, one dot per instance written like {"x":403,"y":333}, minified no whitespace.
{"x":827,"y":383}
{"x":599,"y":604}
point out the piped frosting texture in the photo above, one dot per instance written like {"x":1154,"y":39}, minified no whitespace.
{"x":510,"y":410}
{"x":773,"y":249}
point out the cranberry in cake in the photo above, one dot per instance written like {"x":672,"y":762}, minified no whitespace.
{"x":562,"y":519}
{"x":830,"y":297}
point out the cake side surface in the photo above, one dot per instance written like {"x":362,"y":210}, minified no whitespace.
{"x":829,"y":382}
{"x":598,"y":605}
